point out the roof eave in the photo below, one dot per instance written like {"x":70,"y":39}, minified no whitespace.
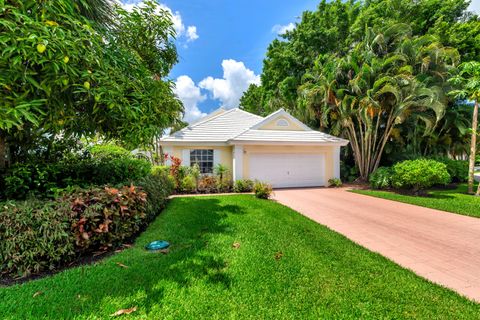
{"x":296,"y":143}
{"x":193,"y":143}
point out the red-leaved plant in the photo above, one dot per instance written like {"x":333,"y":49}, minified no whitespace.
{"x":174,"y":168}
{"x":102,"y":218}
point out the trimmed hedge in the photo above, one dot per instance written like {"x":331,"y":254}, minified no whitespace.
{"x":104,"y":218}
{"x":43,"y":179}
{"x":42,"y":235}
{"x":34,"y":236}
{"x":158,"y":186}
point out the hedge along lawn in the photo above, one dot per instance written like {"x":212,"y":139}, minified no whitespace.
{"x":455,"y":200}
{"x":281,"y":266}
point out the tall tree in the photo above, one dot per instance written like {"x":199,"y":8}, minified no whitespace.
{"x":387,"y":77}
{"x":98,"y":11}
{"x":63,"y":74}
{"x":468,"y":81}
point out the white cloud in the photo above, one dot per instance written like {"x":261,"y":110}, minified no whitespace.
{"x":189,"y":33}
{"x":190,"y":95}
{"x":279,"y":29}
{"x":475,"y":6}
{"x":192,"y":33}
{"x":236,"y":80}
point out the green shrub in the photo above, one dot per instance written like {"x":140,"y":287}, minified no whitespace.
{"x":42,"y":235}
{"x":225,"y":184}
{"x":381,"y":178}
{"x":458,"y":169}
{"x":189,"y":184}
{"x":22,"y":179}
{"x":347,"y":172}
{"x":44,"y":179}
{"x":262,"y":190}
{"x":34,"y":236}
{"x":334,"y":182}
{"x":121,"y":170}
{"x":159,"y":187}
{"x":109,"y":151}
{"x":161,"y":170}
{"x":419,"y":174}
{"x":194,"y":171}
{"x":243,"y":185}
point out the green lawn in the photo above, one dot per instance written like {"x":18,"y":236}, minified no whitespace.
{"x":286,"y":267}
{"x":455,"y":200}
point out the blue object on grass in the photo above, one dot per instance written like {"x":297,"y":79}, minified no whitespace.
{"x":157,"y":245}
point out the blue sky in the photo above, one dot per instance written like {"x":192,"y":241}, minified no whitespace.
{"x":221,"y":45}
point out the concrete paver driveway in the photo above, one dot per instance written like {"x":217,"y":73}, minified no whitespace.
{"x":440,"y":246}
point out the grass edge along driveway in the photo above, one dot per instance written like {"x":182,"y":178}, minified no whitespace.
{"x":451,"y":200}
{"x":237,"y":257}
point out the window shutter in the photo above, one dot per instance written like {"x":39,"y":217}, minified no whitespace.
{"x":216,"y":157}
{"x":186,"y":157}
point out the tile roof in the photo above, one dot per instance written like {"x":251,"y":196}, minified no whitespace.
{"x":236,"y":125}
{"x":310,"y":136}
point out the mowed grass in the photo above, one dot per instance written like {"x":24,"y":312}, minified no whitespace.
{"x":286,"y":267}
{"x":455,"y":200}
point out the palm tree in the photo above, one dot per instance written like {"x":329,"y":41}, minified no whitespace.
{"x":378,"y":85}
{"x":469,"y":81}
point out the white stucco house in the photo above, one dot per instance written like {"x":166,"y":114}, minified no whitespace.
{"x":278,"y":149}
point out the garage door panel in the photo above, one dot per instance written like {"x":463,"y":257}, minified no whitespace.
{"x":288,"y":170}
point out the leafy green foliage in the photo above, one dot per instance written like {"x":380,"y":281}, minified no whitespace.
{"x":42,"y":179}
{"x":34,"y":236}
{"x":322,"y":74}
{"x":221,"y":171}
{"x":457,"y":169}
{"x":348,"y":172}
{"x":189,"y":184}
{"x":101,"y":151}
{"x":158,"y":187}
{"x":22,"y":179}
{"x":43,"y":235}
{"x":161,"y":170}
{"x":262,"y":190}
{"x":243,"y":185}
{"x":381,"y":178}
{"x":419,"y":174}
{"x":334,"y":182}
{"x":65,"y":74}
{"x":375,"y":87}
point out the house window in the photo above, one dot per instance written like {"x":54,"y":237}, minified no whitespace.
{"x":204,"y":159}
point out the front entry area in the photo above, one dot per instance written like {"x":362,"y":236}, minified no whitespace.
{"x":286,"y":170}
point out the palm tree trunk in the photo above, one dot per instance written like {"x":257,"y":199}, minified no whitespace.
{"x":473,"y":145}
{"x":3,"y":151}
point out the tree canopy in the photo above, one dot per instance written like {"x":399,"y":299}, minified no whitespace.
{"x":66,"y":67}
{"x":367,"y":56}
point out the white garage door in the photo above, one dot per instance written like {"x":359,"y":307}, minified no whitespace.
{"x":287,"y":169}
